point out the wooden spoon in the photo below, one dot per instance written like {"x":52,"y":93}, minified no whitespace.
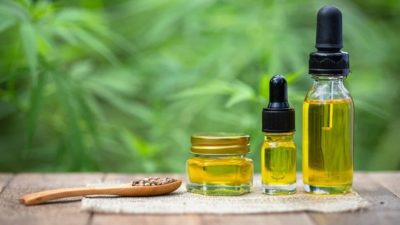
{"x":121,"y":190}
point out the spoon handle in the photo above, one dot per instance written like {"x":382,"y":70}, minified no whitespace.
{"x":44,"y":196}
{"x":121,"y":190}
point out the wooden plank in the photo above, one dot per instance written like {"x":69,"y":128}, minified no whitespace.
{"x":364,"y":218}
{"x":390,"y":180}
{"x":379,"y":189}
{"x":61,"y":212}
{"x":193,"y":219}
{"x":379,"y":196}
{"x":186,"y":219}
{"x":259,"y":219}
{"x":206,"y":219}
{"x":4,"y":179}
{"x":384,"y":208}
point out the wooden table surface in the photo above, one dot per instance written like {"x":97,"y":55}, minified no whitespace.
{"x":382,"y":189}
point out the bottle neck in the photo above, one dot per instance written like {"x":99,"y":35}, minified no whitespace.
{"x":329,"y":79}
{"x":278,"y":137}
{"x":328,"y":87}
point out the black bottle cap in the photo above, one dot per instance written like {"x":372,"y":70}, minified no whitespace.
{"x":329,"y":59}
{"x":278,"y":117}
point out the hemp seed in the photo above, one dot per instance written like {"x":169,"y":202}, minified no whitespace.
{"x":152,"y":181}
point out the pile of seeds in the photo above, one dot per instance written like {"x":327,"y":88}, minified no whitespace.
{"x":152,"y":181}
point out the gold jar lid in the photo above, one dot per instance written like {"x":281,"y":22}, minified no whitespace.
{"x":220,"y":144}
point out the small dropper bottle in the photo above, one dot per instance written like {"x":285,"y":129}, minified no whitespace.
{"x":278,"y":152}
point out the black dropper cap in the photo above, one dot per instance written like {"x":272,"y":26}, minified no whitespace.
{"x":329,"y":59}
{"x":278,"y":117}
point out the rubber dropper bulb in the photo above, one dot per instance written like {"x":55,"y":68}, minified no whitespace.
{"x":278,"y":97}
{"x":329,"y":59}
{"x":329,"y":29}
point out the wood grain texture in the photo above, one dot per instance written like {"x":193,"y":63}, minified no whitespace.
{"x":12,"y":212}
{"x":385,"y":208}
{"x":354,"y":218}
{"x":259,"y":219}
{"x":4,"y":179}
{"x":187,"y":219}
{"x":193,"y":219}
{"x":390,"y":180}
{"x":380,"y":189}
{"x":374,"y":192}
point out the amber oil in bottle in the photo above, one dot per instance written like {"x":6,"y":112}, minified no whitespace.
{"x":328,"y":112}
{"x":328,"y":145}
{"x":278,"y":152}
{"x":218,"y":165}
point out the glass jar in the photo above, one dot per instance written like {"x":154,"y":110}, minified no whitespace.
{"x":328,"y":121}
{"x":219,"y":166}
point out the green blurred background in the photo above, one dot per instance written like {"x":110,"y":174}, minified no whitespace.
{"x":95,"y":85}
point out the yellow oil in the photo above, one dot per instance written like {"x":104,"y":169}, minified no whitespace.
{"x":278,"y":164}
{"x":328,"y":145}
{"x":226,"y":171}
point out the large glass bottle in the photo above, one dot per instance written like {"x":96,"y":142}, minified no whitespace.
{"x":328,"y":112}
{"x":328,"y":116}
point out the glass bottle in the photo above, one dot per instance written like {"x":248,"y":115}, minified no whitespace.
{"x":278,"y":152}
{"x":328,"y":112}
{"x":328,"y":115}
{"x":278,"y":160}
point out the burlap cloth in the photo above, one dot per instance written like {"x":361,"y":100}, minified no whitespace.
{"x":182,"y":202}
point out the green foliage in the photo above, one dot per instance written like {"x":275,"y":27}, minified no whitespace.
{"x":121,"y":85}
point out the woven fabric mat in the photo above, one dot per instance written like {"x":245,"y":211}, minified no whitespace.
{"x":183,"y":202}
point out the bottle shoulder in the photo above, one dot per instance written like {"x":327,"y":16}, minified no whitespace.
{"x":328,"y":90}
{"x":324,"y":95}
